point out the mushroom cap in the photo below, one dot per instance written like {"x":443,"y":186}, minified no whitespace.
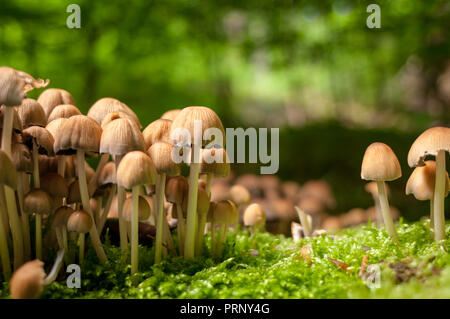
{"x":17,"y":123}
{"x":37,"y":201}
{"x":74,"y":195}
{"x":143,"y":207}
{"x":320,"y":190}
{"x":22,"y":158}
{"x":79,"y":132}
{"x":254,"y":215}
{"x":116,"y":115}
{"x":47,"y":164}
{"x":215,"y":161}
{"x":79,"y":221}
{"x":8,"y":174}
{"x":41,"y":136}
{"x":240,"y":195}
{"x":219,"y":191}
{"x":311,"y":205}
{"x":121,"y":136}
{"x":136,"y":168}
{"x":61,"y":215}
{"x":380,"y":163}
{"x":107,"y":105}
{"x":157,"y":131}
{"x":421,"y":183}
{"x":203,"y":201}
{"x":225,"y":212}
{"x":63,"y":111}
{"x":171,"y":114}
{"x":161,"y":155}
{"x":107,"y":175}
{"x":27,"y":282}
{"x":31,"y":113}
{"x":176,"y":189}
{"x":430,"y":142}
{"x":53,"y":97}
{"x":187,"y":118}
{"x":55,"y":185}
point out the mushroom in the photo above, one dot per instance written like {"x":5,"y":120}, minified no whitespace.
{"x":108,"y":105}
{"x":80,"y":222}
{"x":434,"y":141}
{"x":80,"y":134}
{"x":254,"y":217}
{"x":176,"y":190}
{"x":187,"y":119}
{"x":56,"y":186}
{"x":8,"y":176}
{"x":161,"y":155}
{"x":225,"y":213}
{"x":63,"y":111}
{"x":240,"y":196}
{"x":53,"y":97}
{"x":31,"y":113}
{"x":143,"y":208}
{"x":60,"y":218}
{"x":372,"y":188}
{"x":380,"y":164}
{"x":135,"y":169}
{"x":171,"y":114}
{"x":38,"y":202}
{"x":421,"y":184}
{"x":157,"y":131}
{"x":120,"y":136}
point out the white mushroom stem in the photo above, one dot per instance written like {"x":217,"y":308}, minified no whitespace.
{"x":24,"y":218}
{"x":200,"y":234}
{"x":7,"y":130}
{"x":120,"y":200}
{"x":159,"y":195}
{"x":191,"y":218}
{"x":108,"y":204}
{"x":385,"y":210}
{"x":213,"y":238}
{"x":432,"y":214}
{"x":181,"y":227}
{"x":95,"y":239}
{"x":55,"y":269}
{"x":4,"y":252}
{"x":304,"y":222}
{"x":439,"y":196}
{"x":61,"y":165}
{"x":135,"y":230}
{"x":209,"y":179}
{"x":379,"y":220}
{"x":37,"y":184}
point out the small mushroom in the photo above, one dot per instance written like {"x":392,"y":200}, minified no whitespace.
{"x":80,"y":222}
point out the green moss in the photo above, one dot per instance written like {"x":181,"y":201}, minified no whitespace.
{"x":416,"y":268}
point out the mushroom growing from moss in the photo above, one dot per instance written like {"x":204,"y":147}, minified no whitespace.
{"x":254,"y":217}
{"x":135,"y":169}
{"x":225,"y":213}
{"x":80,"y":222}
{"x":380,"y":165}
{"x":434,"y":141}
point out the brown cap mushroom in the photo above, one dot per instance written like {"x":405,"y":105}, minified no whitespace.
{"x":176,"y":189}
{"x":422,"y":181}
{"x":22,"y":158}
{"x":63,"y":111}
{"x":429,"y":142}
{"x":171,"y":114}
{"x":79,"y":221}
{"x":143,"y":208}
{"x":27,"y":282}
{"x":37,"y":201}
{"x":254,"y":215}
{"x":31,"y":113}
{"x":53,"y":97}
{"x":107,"y":105}
{"x":136,"y":168}
{"x":161,"y":155}
{"x":380,"y":163}
{"x":121,"y":136}
{"x":240,"y":195}
{"x":41,"y":137}
{"x":55,"y":185}
{"x":157,"y":131}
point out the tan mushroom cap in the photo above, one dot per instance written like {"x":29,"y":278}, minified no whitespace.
{"x":22,"y":158}
{"x":37,"y":201}
{"x":74,"y":195}
{"x":380,"y":163}
{"x":107,"y":175}
{"x":421,"y":183}
{"x":225,"y":212}
{"x":254,"y":215}
{"x":55,"y":185}
{"x":215,"y":161}
{"x":53,"y":97}
{"x":79,"y":132}
{"x":79,"y":221}
{"x":31,"y":113}
{"x":121,"y":136}
{"x":240,"y":195}
{"x":27,"y":282}
{"x":203,"y":201}
{"x":429,"y":142}
{"x":116,"y":115}
{"x":63,"y":111}
{"x":176,"y":189}
{"x":107,"y":105}
{"x":171,"y":114}
{"x":161,"y":155}
{"x":136,"y":168}
{"x":8,"y":174}
{"x":41,"y":136}
{"x":143,"y":207}
{"x":157,"y":131}
{"x":61,"y":215}
{"x":187,"y":118}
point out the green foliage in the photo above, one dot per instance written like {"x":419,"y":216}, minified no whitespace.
{"x":274,"y":268}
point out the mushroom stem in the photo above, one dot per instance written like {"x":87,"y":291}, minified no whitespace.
{"x":159,"y":194}
{"x":4,"y":252}
{"x":222,"y":238}
{"x":304,"y":222}
{"x":439,"y":196}
{"x":87,"y":207}
{"x":200,"y":234}
{"x":24,"y":218}
{"x":37,"y":184}
{"x":135,"y":230}
{"x":191,"y":218}
{"x":55,"y":269}
{"x":379,"y":220}
{"x":213,"y":238}
{"x":209,"y":178}
{"x":61,"y":165}
{"x":181,"y":228}
{"x":432,"y":214}
{"x":7,"y":130}
{"x":120,"y":199}
{"x":385,"y":210}
{"x":81,"y":244}
{"x":104,"y":216}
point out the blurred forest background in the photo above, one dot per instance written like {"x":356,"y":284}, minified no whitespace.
{"x":312,"y":68}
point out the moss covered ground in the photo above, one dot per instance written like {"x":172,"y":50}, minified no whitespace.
{"x":269,"y":266}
